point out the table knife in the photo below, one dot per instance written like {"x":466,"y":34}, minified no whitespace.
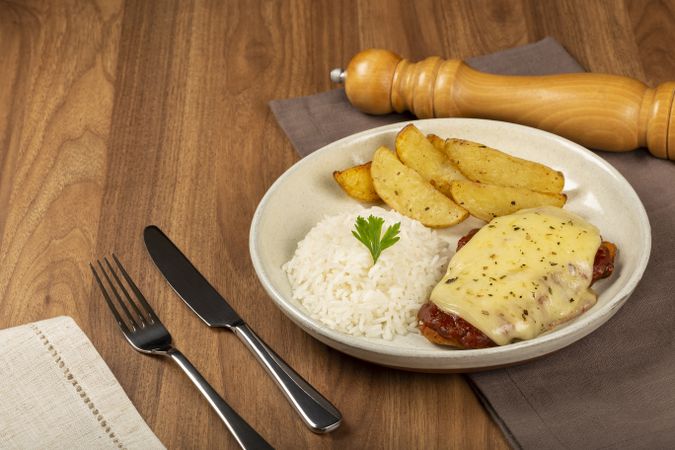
{"x":316,"y":412}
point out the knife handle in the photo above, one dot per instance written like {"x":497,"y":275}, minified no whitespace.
{"x":317,"y":412}
{"x":246,"y":436}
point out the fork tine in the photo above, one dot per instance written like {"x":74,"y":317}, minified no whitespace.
{"x":124,"y":291}
{"x":108,"y":300}
{"x":134,"y":324}
{"x":137,"y":291}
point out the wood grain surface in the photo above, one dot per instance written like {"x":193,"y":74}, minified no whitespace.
{"x":117,"y":114}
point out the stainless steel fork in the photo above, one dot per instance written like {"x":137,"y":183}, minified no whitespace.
{"x":144,"y":331}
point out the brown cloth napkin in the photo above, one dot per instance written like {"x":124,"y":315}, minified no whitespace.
{"x":613,"y":389}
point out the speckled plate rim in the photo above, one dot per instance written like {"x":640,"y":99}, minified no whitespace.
{"x":438,"y":358}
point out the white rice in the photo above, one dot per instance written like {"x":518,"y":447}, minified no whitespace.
{"x":333,"y":276}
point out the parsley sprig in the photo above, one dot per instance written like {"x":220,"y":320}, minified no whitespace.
{"x":369,"y":233}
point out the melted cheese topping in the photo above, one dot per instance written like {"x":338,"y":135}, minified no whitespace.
{"x":522,"y":274}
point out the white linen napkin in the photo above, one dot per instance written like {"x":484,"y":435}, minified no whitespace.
{"x":57,"y":392}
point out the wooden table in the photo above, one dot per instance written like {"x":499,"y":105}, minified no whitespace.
{"x":115,"y":115}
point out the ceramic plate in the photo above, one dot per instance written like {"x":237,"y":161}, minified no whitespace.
{"x":307,"y":192}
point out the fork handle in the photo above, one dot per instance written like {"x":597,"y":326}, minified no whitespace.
{"x":317,"y":412}
{"x":245,"y":435}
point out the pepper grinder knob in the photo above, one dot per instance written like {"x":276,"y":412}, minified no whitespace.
{"x":338,"y":75}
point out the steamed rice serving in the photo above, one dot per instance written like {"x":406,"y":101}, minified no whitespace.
{"x":332,"y":275}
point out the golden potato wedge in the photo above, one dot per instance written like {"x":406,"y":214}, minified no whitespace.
{"x":437,"y":142}
{"x":417,"y":152}
{"x":487,"y":201}
{"x":408,"y":193}
{"x":357,"y":182}
{"x":490,"y":166}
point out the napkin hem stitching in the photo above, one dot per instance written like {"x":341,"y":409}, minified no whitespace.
{"x":70,"y":379}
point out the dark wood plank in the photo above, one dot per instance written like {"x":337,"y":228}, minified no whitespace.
{"x":161,"y":172}
{"x":55,"y":109}
{"x":458,"y":29}
{"x":654,"y":30}
{"x":597,"y":33}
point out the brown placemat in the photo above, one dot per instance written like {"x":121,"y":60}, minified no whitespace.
{"x":614,"y":388}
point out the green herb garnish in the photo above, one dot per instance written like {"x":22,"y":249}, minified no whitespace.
{"x":368,"y":232}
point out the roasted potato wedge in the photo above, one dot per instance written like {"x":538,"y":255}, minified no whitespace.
{"x":487,"y":165}
{"x":487,"y":201}
{"x":417,"y":152}
{"x":357,"y":182}
{"x":437,"y":142}
{"x":407,"y":192}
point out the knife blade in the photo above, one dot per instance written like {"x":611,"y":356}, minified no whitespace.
{"x":202,"y":298}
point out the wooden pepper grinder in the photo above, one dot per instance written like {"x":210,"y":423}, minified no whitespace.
{"x":600,"y":111}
